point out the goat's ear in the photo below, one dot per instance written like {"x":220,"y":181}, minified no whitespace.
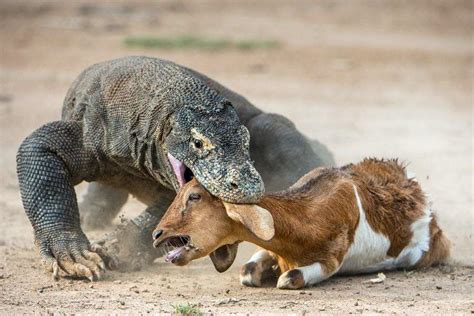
{"x":224,"y":256}
{"x":257,"y":219}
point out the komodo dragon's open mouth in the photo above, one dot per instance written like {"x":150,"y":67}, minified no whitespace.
{"x":181,"y":171}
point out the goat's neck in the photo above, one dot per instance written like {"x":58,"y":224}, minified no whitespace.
{"x":289,"y":217}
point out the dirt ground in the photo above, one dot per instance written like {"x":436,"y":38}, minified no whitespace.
{"x":368,"y":78}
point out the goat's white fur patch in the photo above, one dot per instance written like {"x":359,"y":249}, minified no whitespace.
{"x":259,"y":256}
{"x":368,"y":252}
{"x":246,"y":279}
{"x":313,"y":274}
{"x":419,"y":243}
{"x":368,"y":248}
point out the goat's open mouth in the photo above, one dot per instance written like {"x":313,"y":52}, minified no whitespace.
{"x":175,"y":247}
{"x":181,"y":171}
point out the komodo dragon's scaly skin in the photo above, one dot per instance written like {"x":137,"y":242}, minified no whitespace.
{"x":144,"y":126}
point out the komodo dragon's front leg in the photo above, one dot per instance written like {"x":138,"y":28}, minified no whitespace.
{"x":49,"y":163}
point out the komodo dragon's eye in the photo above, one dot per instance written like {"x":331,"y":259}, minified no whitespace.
{"x":198,"y":143}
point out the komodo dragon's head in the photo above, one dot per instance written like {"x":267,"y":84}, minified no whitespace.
{"x":205,"y":139}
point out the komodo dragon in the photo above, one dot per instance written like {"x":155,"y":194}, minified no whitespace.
{"x":145,"y":126}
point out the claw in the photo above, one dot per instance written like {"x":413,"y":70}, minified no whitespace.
{"x":49,"y":263}
{"x":96,"y":247}
{"x":74,"y":255}
{"x":95,"y":258}
{"x":80,"y":270}
{"x":55,"y":271}
{"x":110,"y":261}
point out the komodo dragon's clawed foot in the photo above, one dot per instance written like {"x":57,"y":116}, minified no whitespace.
{"x":75,"y":256}
{"x":129,"y":245}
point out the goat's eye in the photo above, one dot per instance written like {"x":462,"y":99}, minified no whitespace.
{"x":194,"y":197}
{"x":198,"y":143}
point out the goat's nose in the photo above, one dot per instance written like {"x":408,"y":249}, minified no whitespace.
{"x":157,"y":234}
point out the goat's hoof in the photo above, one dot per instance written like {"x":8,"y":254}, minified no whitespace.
{"x":291,"y":280}
{"x":251,"y":274}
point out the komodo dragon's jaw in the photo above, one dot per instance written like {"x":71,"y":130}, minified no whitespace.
{"x":213,"y":146}
{"x":241,"y":183}
{"x":250,"y":190}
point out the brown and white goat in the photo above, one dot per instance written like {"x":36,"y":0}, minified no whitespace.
{"x":360,"y":218}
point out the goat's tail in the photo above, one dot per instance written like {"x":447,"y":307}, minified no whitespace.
{"x":440,"y":247}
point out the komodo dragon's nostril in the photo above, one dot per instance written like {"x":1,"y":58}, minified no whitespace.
{"x":233,"y":186}
{"x":157,"y":234}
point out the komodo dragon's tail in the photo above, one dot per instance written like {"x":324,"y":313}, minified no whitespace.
{"x":322,"y":152}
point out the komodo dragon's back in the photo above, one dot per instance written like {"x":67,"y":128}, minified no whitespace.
{"x":126,"y":86}
{"x":131,"y":82}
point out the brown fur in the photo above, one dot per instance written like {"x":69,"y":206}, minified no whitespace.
{"x":305,"y":234}
{"x":315,"y":220}
{"x":391,"y":201}
{"x":439,"y":247}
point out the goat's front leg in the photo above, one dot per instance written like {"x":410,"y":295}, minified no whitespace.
{"x":259,"y":265}
{"x":307,"y":275}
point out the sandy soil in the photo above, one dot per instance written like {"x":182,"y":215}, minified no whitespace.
{"x":367,"y":78}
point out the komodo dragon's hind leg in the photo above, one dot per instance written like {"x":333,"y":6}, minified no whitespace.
{"x":100,"y":205}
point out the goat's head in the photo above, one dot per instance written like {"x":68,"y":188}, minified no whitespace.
{"x":198,"y":224}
